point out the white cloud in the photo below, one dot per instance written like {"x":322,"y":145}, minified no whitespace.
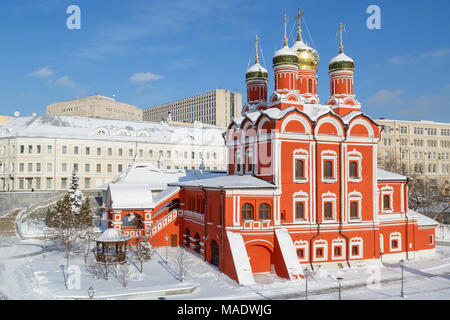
{"x":65,"y":82}
{"x":43,"y":72}
{"x":383,"y":96}
{"x":430,"y":56}
{"x":144,"y":77}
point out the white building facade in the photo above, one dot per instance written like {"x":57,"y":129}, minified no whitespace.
{"x":40,"y":153}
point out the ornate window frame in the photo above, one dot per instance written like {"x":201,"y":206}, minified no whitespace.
{"x":354,"y":196}
{"x":355,"y":156}
{"x":321,"y":243}
{"x":339,"y":242}
{"x":300,"y":154}
{"x":395,"y":236}
{"x":326,"y":198}
{"x":302,"y":244}
{"x":300,"y":197}
{"x":325,"y":156}
{"x":356,"y":241}
{"x":387,"y":191}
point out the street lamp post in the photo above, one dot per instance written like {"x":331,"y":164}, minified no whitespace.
{"x":340,"y":285}
{"x":167,"y":247}
{"x":402,"y":265}
{"x":91,"y":292}
{"x":306,"y":273}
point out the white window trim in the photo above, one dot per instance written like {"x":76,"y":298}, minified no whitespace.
{"x":395,"y":236}
{"x":387,"y":191}
{"x":355,"y":156}
{"x":329,"y":197}
{"x":329,"y":155}
{"x":357,"y":241}
{"x":301,"y":197}
{"x":300,"y":154}
{"x":320,"y":244}
{"x":302,"y":244}
{"x":338,"y":243}
{"x":354,"y":197}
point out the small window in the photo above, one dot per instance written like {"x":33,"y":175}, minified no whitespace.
{"x":299,"y":169}
{"x":300,"y":210}
{"x":319,"y":252}
{"x":431,"y":239}
{"x":337,"y":251}
{"x":353,"y":169}
{"x":328,"y":214}
{"x":353,"y":209}
{"x":264,"y":212}
{"x":328,"y":169}
{"x":386,"y":202}
{"x":247,"y":212}
{"x":355,"y":250}
{"x":394,"y":244}
{"x":300,"y":253}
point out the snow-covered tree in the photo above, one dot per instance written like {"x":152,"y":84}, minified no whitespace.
{"x":75,"y":194}
{"x":144,"y":250}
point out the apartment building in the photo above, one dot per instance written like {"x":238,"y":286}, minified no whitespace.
{"x":96,"y":107}
{"x":217,"y":107}
{"x":39,"y":153}
{"x":420,"y":149}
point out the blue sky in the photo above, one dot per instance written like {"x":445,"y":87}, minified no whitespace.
{"x":150,"y":52}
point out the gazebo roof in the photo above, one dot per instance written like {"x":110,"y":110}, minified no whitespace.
{"x":112,"y":235}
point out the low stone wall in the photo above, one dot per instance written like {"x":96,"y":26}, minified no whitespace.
{"x":12,"y":200}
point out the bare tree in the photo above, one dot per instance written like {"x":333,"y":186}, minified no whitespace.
{"x":181,"y":263}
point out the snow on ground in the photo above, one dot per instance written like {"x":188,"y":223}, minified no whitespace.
{"x":26,"y":274}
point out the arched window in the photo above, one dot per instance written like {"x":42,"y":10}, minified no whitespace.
{"x":386,"y":202}
{"x":310,"y":86}
{"x":264,"y":212}
{"x":353,"y":169}
{"x":247,"y":212}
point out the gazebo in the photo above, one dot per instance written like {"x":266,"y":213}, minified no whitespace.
{"x":112,"y":247}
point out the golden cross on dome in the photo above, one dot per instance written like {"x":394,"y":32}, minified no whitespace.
{"x":256,"y":47}
{"x":285,"y":36}
{"x":341,"y":47}
{"x":298,"y":18}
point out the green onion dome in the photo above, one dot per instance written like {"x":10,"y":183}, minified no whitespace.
{"x":285,"y":56}
{"x":341,"y":62}
{"x":256,"y":71}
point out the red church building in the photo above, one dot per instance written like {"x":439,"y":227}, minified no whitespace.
{"x":302,"y":188}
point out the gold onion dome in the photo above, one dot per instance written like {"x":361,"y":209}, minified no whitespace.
{"x":308,"y":58}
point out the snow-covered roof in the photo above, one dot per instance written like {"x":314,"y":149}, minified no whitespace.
{"x":285,"y":51}
{"x":112,"y":235}
{"x":108,"y":129}
{"x":167,"y":193}
{"x":256,"y":68}
{"x":387,"y":175}
{"x":422,"y":220}
{"x":130,"y":196}
{"x":228,"y":182}
{"x":144,"y":173}
{"x":341,"y":57}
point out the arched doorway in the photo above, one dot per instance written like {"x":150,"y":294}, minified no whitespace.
{"x":214,"y":253}
{"x":260,"y":258}
{"x":132,"y":221}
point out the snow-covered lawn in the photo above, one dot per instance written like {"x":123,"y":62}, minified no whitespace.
{"x":39,"y":277}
